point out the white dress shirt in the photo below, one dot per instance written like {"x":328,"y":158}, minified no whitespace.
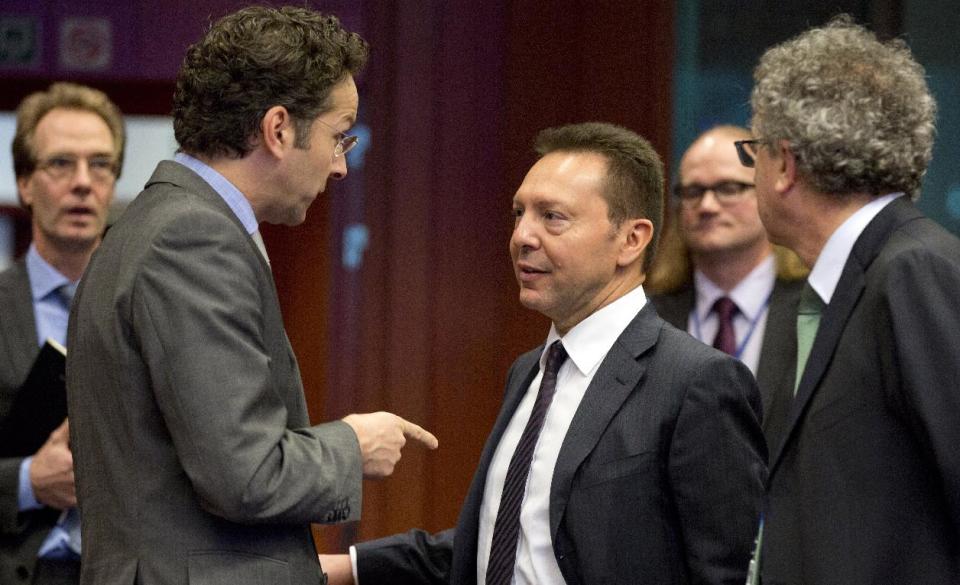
{"x":752,"y":297}
{"x":826,"y":271}
{"x":586,"y":344}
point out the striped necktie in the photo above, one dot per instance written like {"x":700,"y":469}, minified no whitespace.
{"x":506,"y":529}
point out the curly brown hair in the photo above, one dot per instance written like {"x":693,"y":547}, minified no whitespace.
{"x":251,"y":61}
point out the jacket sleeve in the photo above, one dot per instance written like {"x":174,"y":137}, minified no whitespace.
{"x":412,"y":558}
{"x":197,"y":312}
{"x":717,"y":470}
{"x":10,"y":518}
{"x":921,"y":302}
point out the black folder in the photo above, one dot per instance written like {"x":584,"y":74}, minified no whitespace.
{"x":40,"y":405}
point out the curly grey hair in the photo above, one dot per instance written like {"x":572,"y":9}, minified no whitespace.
{"x":856,"y":112}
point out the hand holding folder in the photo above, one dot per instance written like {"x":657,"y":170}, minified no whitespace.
{"x":40,"y":405}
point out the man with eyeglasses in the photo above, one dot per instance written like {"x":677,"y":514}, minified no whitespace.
{"x":864,"y":488}
{"x":67,"y":153}
{"x":718,"y":277}
{"x":195,"y":458}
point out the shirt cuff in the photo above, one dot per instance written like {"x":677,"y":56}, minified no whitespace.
{"x":353,"y":564}
{"x":25,"y":497}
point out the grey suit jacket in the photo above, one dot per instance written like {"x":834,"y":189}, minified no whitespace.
{"x":21,"y":534}
{"x":195,"y":461}
{"x":778,"y":350}
{"x":657,"y":481}
{"x":865,"y":486}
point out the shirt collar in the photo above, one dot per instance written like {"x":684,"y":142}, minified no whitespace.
{"x":829,"y":265}
{"x":590,"y":340}
{"x":750,"y":294}
{"x":44,"y":278}
{"x":231,"y":195}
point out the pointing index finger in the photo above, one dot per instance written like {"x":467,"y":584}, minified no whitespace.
{"x":419,"y":434}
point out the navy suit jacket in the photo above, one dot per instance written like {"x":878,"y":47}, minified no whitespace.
{"x":865,"y":486}
{"x":657,"y":480}
{"x":778,"y":350}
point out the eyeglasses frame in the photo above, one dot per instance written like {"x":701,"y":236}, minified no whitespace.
{"x":345,"y":142}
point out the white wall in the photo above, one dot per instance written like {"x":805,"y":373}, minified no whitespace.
{"x":149,"y":140}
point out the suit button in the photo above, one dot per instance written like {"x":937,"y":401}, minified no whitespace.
{"x":23,"y":572}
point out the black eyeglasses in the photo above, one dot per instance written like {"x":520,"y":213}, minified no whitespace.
{"x":726,"y":192}
{"x":747,"y":151}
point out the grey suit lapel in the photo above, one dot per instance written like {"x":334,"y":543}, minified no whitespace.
{"x":837,"y":313}
{"x":617,"y":376}
{"x":18,"y":325}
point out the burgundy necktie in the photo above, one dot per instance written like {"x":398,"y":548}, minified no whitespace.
{"x":506,"y":530}
{"x":726,"y":339}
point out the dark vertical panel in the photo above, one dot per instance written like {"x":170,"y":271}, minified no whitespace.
{"x":429,"y":324}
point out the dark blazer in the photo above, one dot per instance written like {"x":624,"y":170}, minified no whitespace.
{"x":195,"y":460}
{"x":865,"y":488}
{"x":778,"y":350}
{"x":21,"y":534}
{"x":657,"y":480}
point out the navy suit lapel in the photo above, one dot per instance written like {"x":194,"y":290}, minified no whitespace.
{"x":837,"y":313}
{"x":616,"y":378}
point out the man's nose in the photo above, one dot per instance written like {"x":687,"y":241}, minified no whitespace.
{"x":338,"y":169}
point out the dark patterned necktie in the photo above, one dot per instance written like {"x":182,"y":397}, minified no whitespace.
{"x":506,"y":530}
{"x":726,"y":339}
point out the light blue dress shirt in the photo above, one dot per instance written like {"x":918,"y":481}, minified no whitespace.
{"x":227,"y":190}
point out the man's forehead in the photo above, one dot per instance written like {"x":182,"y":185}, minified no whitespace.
{"x":563,"y":173}
{"x":65,"y":129}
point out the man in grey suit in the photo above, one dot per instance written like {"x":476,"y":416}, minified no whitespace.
{"x":67,"y":153}
{"x":195,"y":459}
{"x":625,"y":451}
{"x":865,"y":486}
{"x":718,"y":277}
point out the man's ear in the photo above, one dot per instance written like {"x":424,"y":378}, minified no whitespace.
{"x":785,"y":165}
{"x":635,"y":235}
{"x":23,"y":191}
{"x":277,"y":130}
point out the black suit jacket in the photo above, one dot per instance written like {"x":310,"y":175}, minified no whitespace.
{"x":21,"y":534}
{"x":865,"y":488}
{"x":778,"y":350}
{"x":656,"y":481}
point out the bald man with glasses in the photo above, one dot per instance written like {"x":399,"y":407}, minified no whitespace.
{"x":720,"y":279}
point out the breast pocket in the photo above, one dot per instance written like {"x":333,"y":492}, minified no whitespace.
{"x":615,"y":469}
{"x":235,"y":568}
